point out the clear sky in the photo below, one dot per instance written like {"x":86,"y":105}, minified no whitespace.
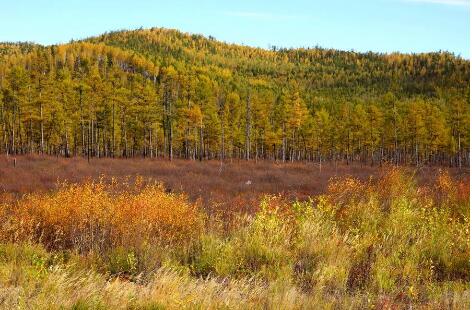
{"x":361,"y":25}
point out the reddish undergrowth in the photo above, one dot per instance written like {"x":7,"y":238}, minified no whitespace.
{"x":234,"y":186}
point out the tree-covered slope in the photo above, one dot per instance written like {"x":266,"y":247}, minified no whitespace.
{"x":314,"y":68}
{"x":158,"y":92}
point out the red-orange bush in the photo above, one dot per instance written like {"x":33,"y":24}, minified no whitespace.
{"x":452,"y":194}
{"x":95,"y":216}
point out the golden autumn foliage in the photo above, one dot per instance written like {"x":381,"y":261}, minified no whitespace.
{"x":162,"y":93}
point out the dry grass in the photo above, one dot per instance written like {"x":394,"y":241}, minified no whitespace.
{"x":384,"y":243}
{"x":234,"y":186}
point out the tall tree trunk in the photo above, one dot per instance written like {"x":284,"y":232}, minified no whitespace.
{"x":4,"y":130}
{"x":396,"y":159}
{"x":221,"y":106}
{"x":170,"y":131}
{"x":82,"y":125}
{"x":88,"y":142}
{"x":66,"y":151}
{"x":248,"y":128}
{"x":13,"y":142}
{"x":41,"y":123}
{"x":113,"y":131}
{"x":284,"y":142}
{"x":222,"y":152}
{"x":460,"y":152}
{"x":187,"y":130}
{"x":201,"y":143}
{"x":168,"y":121}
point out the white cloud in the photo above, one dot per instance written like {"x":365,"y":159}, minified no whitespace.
{"x":260,"y":15}
{"x":446,"y":2}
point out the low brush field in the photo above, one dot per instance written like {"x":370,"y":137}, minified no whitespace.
{"x":152,"y":234}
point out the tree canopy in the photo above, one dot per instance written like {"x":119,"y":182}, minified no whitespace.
{"x":159,"y":92}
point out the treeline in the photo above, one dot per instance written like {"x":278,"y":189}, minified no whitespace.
{"x":161,"y":93}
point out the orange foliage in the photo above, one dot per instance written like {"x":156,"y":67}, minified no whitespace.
{"x":344,"y":190}
{"x":95,"y":216}
{"x":444,"y":191}
{"x":452,"y":193}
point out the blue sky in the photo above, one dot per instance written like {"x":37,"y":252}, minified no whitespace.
{"x":361,"y":25}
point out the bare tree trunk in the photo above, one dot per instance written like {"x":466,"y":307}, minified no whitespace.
{"x":248,"y":128}
{"x":88,"y":142}
{"x":4,"y":130}
{"x":222,"y":155}
{"x":460,"y":151}
{"x":150,"y":142}
{"x":221,"y":106}
{"x":396,"y":159}
{"x":284,"y":142}
{"x":92,"y":142}
{"x":66,"y":151}
{"x":13,"y":142}
{"x":319,"y":156}
{"x":169,"y":120}
{"x":201,"y":142}
{"x":98,"y":142}
{"x":187,"y":130}
{"x":41,"y":123}
{"x":82,"y":126}
{"x":113,"y":132}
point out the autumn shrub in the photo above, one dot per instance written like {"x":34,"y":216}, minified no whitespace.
{"x":123,"y":225}
{"x":452,"y":195}
{"x":385,"y":243}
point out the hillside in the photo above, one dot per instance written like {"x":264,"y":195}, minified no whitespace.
{"x":157,"y":92}
{"x":315,"y":69}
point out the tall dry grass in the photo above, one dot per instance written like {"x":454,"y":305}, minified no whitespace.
{"x":378,"y":243}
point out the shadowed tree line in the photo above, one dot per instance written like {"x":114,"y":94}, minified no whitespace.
{"x":162,"y":93}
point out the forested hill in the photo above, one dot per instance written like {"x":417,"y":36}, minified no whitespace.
{"x":315,"y":69}
{"x":158,"y":92}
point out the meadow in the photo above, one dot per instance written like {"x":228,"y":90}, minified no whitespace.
{"x":152,"y":234}
{"x":235,"y":185}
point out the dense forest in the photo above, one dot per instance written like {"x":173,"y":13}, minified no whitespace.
{"x":162,"y":93}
